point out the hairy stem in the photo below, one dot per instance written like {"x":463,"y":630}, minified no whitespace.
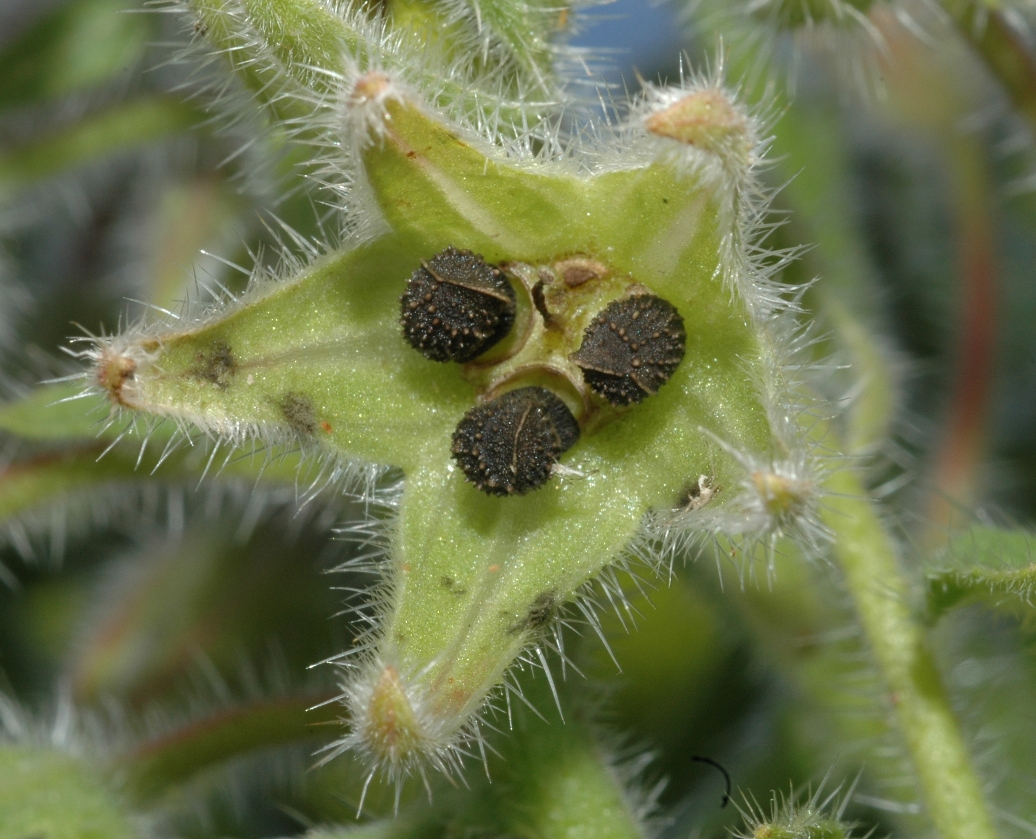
{"x":867,"y":556}
{"x":224,"y":27}
{"x":292,"y":54}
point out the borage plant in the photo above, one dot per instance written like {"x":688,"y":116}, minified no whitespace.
{"x":533,"y":354}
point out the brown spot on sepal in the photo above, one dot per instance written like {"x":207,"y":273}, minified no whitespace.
{"x":217,"y":365}
{"x":632,"y":348}
{"x":456,"y":306}
{"x":509,"y":445}
{"x":299,"y":413}
{"x":540,"y":613}
{"x":452,"y":586}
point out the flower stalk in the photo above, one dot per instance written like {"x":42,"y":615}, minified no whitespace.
{"x":916,"y":694}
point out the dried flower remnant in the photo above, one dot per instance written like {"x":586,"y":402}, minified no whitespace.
{"x":112,"y":371}
{"x":784,"y":497}
{"x":391,"y":721}
{"x":706,"y":119}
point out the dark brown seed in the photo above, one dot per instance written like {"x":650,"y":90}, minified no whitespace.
{"x":632,"y":348}
{"x":456,"y":307}
{"x":508,"y":445}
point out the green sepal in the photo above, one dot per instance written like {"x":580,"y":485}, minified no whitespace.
{"x":320,"y":357}
{"x":555,"y":780}
{"x":987,"y":565}
{"x":652,"y":220}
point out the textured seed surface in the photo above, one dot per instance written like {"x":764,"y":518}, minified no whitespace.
{"x":456,"y":307}
{"x":508,"y":446}
{"x":632,"y":348}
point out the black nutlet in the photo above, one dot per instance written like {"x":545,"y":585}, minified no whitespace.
{"x":456,"y":306}
{"x":632,"y":348}
{"x":509,"y":445}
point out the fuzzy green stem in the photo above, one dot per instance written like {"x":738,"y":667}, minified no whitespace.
{"x":810,"y":150}
{"x":1007,"y":590}
{"x":556,"y":780}
{"x":561,"y":786}
{"x":257,"y":70}
{"x":290,"y":53}
{"x":868,"y":558}
{"x":986,"y":565}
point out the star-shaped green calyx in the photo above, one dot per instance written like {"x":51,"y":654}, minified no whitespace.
{"x":472,"y":581}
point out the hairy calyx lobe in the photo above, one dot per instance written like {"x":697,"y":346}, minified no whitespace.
{"x":391,"y":726}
